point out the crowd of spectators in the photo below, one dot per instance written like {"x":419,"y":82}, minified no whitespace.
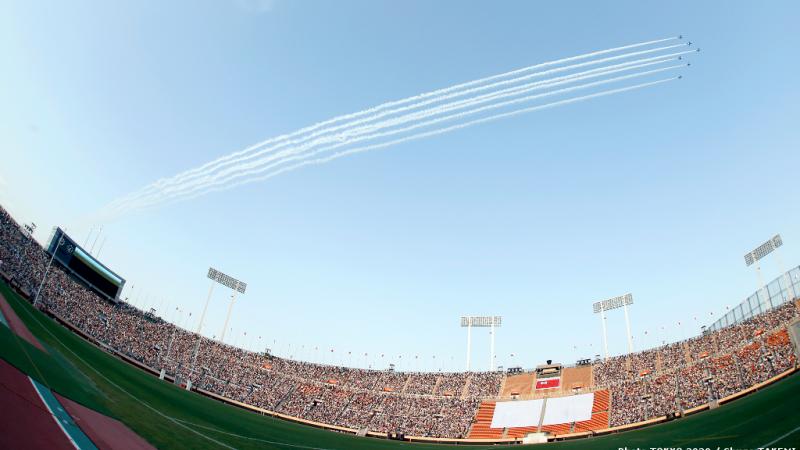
{"x":700,"y":370}
{"x":646,"y":384}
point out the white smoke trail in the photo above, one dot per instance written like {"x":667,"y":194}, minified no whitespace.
{"x":426,"y":134}
{"x":515,"y":89}
{"x":255,"y":169}
{"x":228,"y":159}
{"x":446,"y":90}
{"x":231,"y":171}
{"x":425,"y":113}
{"x":417,"y":105}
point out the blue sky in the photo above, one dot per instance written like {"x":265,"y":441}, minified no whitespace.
{"x":656,"y":192}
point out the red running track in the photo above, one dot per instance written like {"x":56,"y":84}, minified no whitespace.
{"x":17,"y":325}
{"x":104,"y":431}
{"x":25,"y":421}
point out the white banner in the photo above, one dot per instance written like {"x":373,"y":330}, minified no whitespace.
{"x":520,"y":413}
{"x":575,"y":408}
{"x":526,"y":413}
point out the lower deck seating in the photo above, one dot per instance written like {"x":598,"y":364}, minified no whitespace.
{"x":601,"y":401}
{"x":481,"y":428}
{"x":519,"y":432}
{"x":561,"y":428}
{"x":599,"y":421}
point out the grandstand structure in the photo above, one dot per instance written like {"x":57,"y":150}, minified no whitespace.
{"x":615,"y":394}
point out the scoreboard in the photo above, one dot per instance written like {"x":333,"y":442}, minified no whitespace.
{"x":84,"y":267}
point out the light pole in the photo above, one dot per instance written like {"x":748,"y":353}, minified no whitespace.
{"x":754,"y":256}
{"x":30,"y":229}
{"x":605,"y":331}
{"x":617,"y":302}
{"x":492,"y":322}
{"x":225,"y":280}
{"x":491,"y":347}
{"x":469,"y":342}
{"x":200,"y":325}
{"x":237,"y":286}
{"x":38,"y":291}
{"x":228,"y":316}
{"x":174,"y":330}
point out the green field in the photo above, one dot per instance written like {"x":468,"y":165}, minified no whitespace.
{"x":170,"y":417}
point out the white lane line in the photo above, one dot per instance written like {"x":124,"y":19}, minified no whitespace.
{"x":58,"y":422}
{"x":285,"y":444}
{"x":779,"y":438}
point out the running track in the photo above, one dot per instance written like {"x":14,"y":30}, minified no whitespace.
{"x":33,"y":417}
{"x":25,"y":421}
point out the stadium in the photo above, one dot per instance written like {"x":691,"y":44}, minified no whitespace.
{"x":446,"y":163}
{"x":76,"y":328}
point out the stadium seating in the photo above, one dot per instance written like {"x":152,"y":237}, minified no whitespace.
{"x":628,"y":388}
{"x":481,"y":429}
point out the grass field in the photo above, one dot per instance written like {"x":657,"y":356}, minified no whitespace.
{"x":170,"y":417}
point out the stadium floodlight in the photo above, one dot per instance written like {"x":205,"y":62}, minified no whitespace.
{"x":763,"y":250}
{"x":47,"y":271}
{"x":484,"y":322}
{"x":621,"y":301}
{"x":613,"y":303}
{"x":228,"y":281}
{"x":481,"y":321}
{"x":756,"y":255}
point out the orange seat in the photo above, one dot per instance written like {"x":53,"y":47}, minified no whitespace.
{"x":518,"y":432}
{"x":601,"y":401}
{"x":481,"y":429}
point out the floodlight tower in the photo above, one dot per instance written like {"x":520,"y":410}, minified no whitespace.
{"x":484,"y":322}
{"x":754,"y":256}
{"x":47,"y":271}
{"x":467,"y":322}
{"x":617,"y":302}
{"x":212,"y":277}
{"x":29,"y":230}
{"x":228,"y":281}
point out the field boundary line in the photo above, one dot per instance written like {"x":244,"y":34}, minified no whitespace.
{"x":779,"y":438}
{"x":252,"y":438}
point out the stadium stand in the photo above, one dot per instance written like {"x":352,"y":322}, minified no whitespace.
{"x":577,"y":379}
{"x":520,"y":385}
{"x":628,"y":388}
